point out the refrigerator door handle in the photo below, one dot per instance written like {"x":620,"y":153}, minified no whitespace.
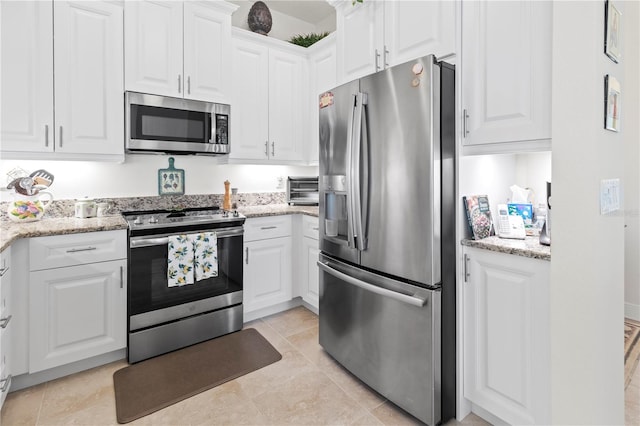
{"x":404,"y":298}
{"x":356,"y":173}
{"x":350,"y":163}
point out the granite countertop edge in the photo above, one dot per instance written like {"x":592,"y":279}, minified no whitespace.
{"x":12,"y":231}
{"x":529,"y":247}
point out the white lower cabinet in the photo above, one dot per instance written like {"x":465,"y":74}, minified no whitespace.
{"x":309,"y":275}
{"x":78,"y":310}
{"x":267,"y":267}
{"x":6,"y":327}
{"x":507,"y":336}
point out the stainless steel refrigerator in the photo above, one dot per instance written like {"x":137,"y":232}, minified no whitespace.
{"x":387,"y":262}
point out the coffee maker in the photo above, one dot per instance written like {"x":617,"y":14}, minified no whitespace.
{"x":545,"y":233}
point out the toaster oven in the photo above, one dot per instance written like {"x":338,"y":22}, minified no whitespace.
{"x":302,"y":190}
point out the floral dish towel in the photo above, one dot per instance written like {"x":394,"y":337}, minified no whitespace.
{"x":206,"y":255}
{"x":180,"y":261}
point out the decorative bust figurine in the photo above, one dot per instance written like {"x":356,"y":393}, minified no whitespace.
{"x":259,"y":18}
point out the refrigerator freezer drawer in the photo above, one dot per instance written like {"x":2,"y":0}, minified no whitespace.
{"x":385,"y":332}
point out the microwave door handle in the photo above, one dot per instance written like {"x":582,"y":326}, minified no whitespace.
{"x":350,"y":199}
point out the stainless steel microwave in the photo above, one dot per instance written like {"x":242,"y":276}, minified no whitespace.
{"x":164,"y":124}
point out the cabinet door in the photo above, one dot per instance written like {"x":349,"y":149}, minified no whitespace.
{"x":76,"y":312}
{"x":27,"y":83}
{"x":506,"y":72}
{"x":322,"y":72}
{"x":311,"y":277}
{"x":267,"y":273}
{"x":250,"y":113}
{"x":89,"y":77}
{"x":415,"y":29}
{"x":506,"y":332}
{"x":153,"y":50}
{"x":286,"y":105}
{"x":360,"y":40}
{"x":207,"y":53}
{"x":6,"y":326}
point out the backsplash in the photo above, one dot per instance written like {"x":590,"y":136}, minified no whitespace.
{"x":66,"y":208}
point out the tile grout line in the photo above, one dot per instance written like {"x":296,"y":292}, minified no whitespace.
{"x":44,"y":394}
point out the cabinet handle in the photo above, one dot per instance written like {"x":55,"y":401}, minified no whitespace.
{"x":3,"y":271}
{"x":246,"y":250}
{"x":46,"y":135}
{"x":466,"y":268}
{"x":266,"y":149}
{"x":264,"y":228}
{"x":273,"y":149}
{"x":315,"y":229}
{"x":179,"y":83}
{"x":81,"y":249}
{"x":4,"y":322}
{"x":465,"y":130}
{"x":189,"y":85}
{"x":386,"y":55}
{"x":60,"y":144}
{"x":376,"y":59}
{"x":121,"y":277}
{"x":5,"y":384}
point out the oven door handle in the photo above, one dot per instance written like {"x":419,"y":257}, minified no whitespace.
{"x":137,"y":242}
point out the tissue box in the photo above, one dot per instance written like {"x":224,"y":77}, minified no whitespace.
{"x":523,"y":210}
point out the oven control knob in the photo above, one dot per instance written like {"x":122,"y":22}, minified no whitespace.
{"x":138,"y":221}
{"x":235,"y":213}
{"x":153,"y":219}
{"x":225,"y":214}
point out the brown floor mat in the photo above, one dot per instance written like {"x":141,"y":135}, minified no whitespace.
{"x":156,"y":383}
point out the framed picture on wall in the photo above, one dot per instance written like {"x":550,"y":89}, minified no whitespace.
{"x":612,"y":103}
{"x":612,"y":32}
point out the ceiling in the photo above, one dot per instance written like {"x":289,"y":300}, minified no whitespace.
{"x":311,"y":11}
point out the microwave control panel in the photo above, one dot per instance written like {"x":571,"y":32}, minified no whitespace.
{"x":222,"y":129}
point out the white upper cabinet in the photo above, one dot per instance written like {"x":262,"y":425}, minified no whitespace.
{"x":87,"y":80}
{"x":506,"y":73}
{"x":268,"y":106}
{"x":322,"y":77}
{"x":360,"y":43}
{"x":153,"y":49}
{"x":413,"y":29}
{"x":88,"y":77}
{"x":378,"y":34}
{"x":27,"y":79}
{"x":178,"y":49}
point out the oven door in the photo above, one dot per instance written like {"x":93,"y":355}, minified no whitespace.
{"x":153,"y":302}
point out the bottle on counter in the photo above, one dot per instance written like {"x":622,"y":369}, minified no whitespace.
{"x":226,"y":202}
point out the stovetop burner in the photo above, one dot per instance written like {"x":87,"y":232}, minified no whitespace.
{"x":166,"y":218}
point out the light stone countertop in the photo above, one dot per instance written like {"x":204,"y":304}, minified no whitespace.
{"x":529,"y":247}
{"x":11,"y":231}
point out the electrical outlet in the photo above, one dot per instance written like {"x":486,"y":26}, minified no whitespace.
{"x":280,"y":182}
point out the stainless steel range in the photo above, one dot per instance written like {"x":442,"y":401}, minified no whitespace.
{"x":185,"y":278}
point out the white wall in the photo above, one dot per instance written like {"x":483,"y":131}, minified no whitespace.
{"x":533,"y":170}
{"x":631,"y":112}
{"x":138,"y":176}
{"x":587,"y":265}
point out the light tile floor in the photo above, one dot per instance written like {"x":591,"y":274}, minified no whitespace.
{"x":305,"y":388}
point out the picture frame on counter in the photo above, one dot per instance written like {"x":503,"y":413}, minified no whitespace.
{"x":612,"y":32}
{"x":171,"y":180}
{"x":612,"y":103}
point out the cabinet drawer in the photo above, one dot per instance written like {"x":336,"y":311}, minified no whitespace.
{"x":262,"y":228}
{"x":310,"y":227}
{"x":76,"y":249}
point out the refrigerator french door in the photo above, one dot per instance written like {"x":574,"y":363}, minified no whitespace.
{"x":387,"y":267}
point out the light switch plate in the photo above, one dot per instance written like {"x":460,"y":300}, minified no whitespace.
{"x":609,"y":196}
